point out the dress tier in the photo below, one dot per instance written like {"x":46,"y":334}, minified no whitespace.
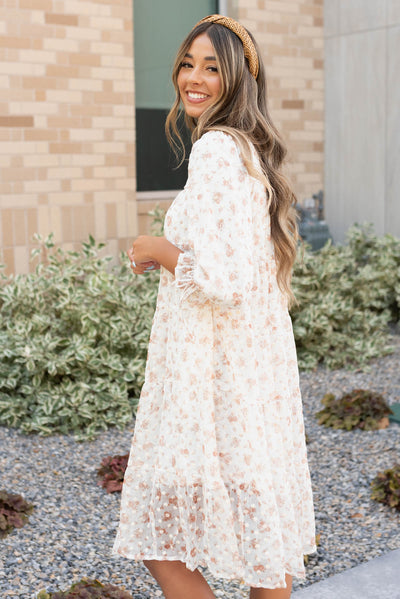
{"x":218,"y":472}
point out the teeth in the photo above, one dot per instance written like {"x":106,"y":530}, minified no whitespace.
{"x":196,"y":96}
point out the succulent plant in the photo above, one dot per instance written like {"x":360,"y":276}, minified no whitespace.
{"x":386,"y":487}
{"x":112,"y":471}
{"x":88,"y":589}
{"x":14,"y":512}
{"x":360,"y":408}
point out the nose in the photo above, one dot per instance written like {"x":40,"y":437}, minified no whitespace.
{"x":195,"y":76}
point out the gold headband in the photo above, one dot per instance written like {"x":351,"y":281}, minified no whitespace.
{"x":248,"y":46}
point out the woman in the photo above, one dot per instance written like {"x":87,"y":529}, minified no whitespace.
{"x":218,"y":471}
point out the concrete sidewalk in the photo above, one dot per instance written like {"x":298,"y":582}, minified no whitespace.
{"x":377,"y":579}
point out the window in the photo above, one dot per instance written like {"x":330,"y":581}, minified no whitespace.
{"x":159,"y":28}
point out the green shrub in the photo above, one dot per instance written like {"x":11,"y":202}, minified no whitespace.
{"x":386,"y":487}
{"x":358,"y":409}
{"x":74,"y":334}
{"x":88,"y":589}
{"x":73,"y":342}
{"x":346,"y":295}
{"x":14,"y":512}
{"x":112,"y":471}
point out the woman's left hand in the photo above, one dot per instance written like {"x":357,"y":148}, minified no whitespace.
{"x":142,"y":248}
{"x":149,"y":252}
{"x":140,"y":254}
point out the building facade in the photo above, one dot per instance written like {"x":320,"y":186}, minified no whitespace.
{"x":362,"y":152}
{"x":68,"y":150}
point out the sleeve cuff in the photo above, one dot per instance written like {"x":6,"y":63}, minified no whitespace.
{"x":184,"y":274}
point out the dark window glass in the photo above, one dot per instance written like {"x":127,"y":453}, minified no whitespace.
{"x":160,"y":26}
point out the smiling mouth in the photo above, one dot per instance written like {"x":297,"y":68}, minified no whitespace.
{"x":196,"y":97}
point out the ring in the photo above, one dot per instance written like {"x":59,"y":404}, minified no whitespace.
{"x":133,"y":263}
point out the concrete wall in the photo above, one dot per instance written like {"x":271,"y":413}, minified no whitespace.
{"x":362,"y":117}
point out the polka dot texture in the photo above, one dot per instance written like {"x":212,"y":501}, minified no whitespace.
{"x":218,"y":472}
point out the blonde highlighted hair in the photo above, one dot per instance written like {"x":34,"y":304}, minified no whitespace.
{"x":241,"y":111}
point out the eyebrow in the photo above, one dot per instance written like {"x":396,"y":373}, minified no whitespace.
{"x":205,"y":58}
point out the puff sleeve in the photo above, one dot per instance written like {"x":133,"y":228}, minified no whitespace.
{"x":216,"y":260}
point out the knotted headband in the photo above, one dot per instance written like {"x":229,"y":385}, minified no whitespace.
{"x":248,"y":46}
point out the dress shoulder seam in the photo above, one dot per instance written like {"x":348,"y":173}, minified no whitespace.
{"x":214,"y":133}
{"x":219,"y":144}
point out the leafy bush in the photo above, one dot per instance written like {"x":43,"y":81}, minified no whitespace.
{"x":73,"y":342}
{"x":88,"y":589}
{"x":14,"y":512}
{"x":74,"y":334}
{"x":112,"y":471}
{"x":346,"y":295}
{"x":358,"y":409}
{"x":386,"y":487}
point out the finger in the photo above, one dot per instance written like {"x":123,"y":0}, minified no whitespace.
{"x":153,"y":266}
{"x":138,"y":271}
{"x":138,"y":268}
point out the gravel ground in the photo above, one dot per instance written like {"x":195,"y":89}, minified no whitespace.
{"x":71,"y":531}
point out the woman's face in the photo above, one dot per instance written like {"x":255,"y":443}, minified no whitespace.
{"x":199,"y":82}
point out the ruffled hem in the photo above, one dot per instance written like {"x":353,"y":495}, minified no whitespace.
{"x":270,"y":582}
{"x":234,"y":532}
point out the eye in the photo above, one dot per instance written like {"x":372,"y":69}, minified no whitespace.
{"x":212,"y":69}
{"x":185,"y":65}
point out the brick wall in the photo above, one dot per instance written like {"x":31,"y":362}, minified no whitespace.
{"x":66,"y":124}
{"x":67,"y":132}
{"x":290,"y":34}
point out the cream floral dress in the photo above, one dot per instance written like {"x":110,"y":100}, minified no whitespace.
{"x":218,"y":472}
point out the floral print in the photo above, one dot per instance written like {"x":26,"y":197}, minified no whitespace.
{"x":218,"y":472}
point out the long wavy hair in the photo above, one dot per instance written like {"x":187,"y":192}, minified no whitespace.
{"x":241,"y":111}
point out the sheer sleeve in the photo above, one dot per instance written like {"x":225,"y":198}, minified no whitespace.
{"x":216,"y":262}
